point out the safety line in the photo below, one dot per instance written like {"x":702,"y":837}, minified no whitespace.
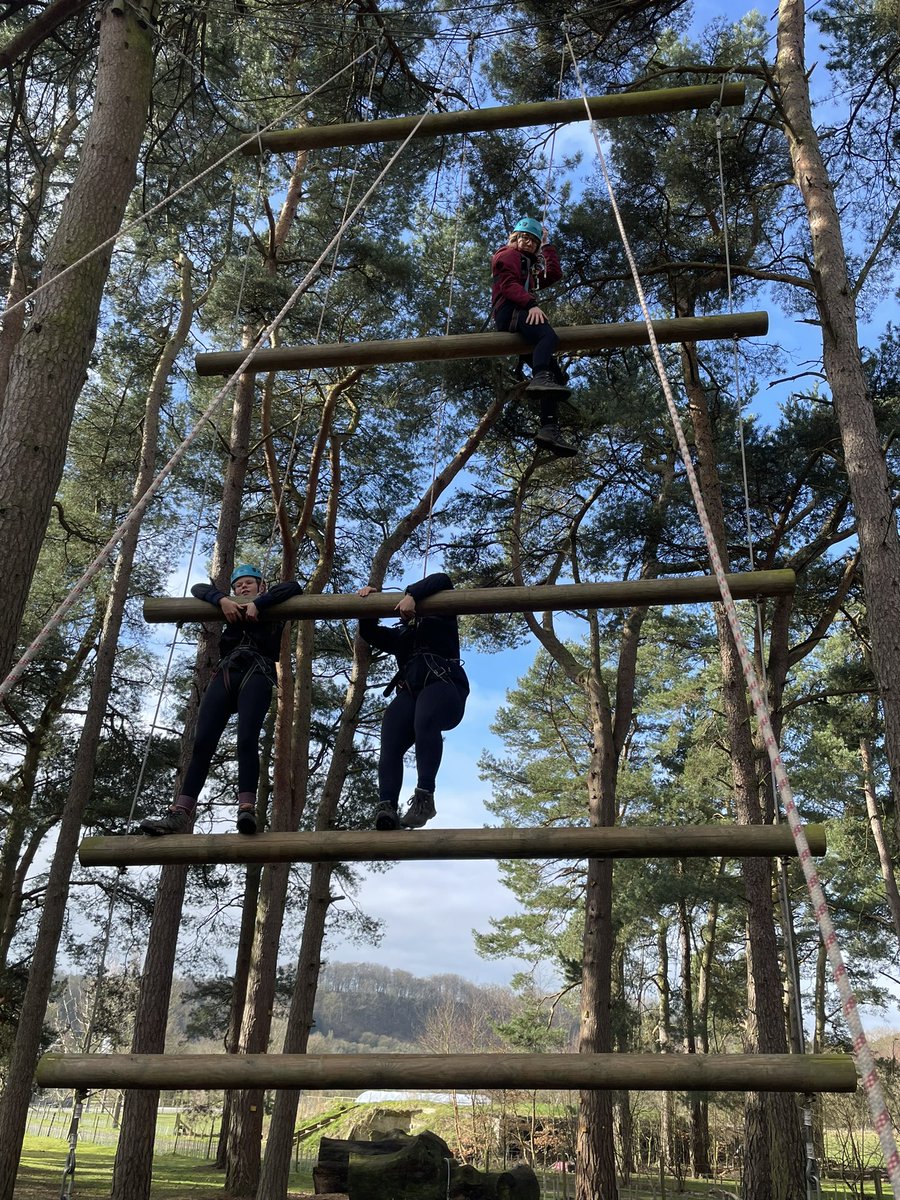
{"x":141,"y":504}
{"x":184,"y":187}
{"x":813,"y":1189}
{"x":862,"y":1053}
{"x":451,"y":287}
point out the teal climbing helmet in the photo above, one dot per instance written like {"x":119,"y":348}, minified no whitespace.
{"x":244,"y":571}
{"x":529,"y":225}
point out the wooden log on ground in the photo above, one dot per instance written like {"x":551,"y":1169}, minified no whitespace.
{"x":482,"y":345}
{"x":462,"y":601}
{"x":602,"y":1072}
{"x":510,"y":116}
{"x":422,"y":1166}
{"x":352,"y":845}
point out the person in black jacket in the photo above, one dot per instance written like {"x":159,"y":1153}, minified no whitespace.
{"x":431,"y":691}
{"x":242,"y":684}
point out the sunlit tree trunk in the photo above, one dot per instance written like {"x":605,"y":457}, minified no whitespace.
{"x":864,"y":459}
{"x":49,"y":365}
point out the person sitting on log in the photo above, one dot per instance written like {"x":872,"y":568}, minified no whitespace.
{"x":242,"y":684}
{"x":524,"y":265}
{"x":431,"y":690}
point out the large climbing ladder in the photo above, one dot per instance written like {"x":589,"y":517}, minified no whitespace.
{"x":794,"y":1073}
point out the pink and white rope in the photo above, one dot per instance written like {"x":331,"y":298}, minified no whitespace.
{"x":143,"y":501}
{"x":862,"y":1053}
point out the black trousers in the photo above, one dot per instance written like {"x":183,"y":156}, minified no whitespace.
{"x":249,"y":696}
{"x":544,"y":340}
{"x":417,"y":720}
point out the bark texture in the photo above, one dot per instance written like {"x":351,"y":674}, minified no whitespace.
{"x":49,"y":364}
{"x":835,"y":299}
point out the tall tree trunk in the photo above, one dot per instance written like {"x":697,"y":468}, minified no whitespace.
{"x":20,"y":819}
{"x":49,"y":364}
{"x":773,"y":1145}
{"x":133,"y":1169}
{"x":698,"y":1114}
{"x":863,"y":455}
{"x":24,"y":271}
{"x":276,"y":1165}
{"x":663,"y":1031}
{"x":14,"y":1108}
{"x":875,"y":824}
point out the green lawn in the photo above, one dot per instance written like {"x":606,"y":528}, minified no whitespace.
{"x":174,"y":1176}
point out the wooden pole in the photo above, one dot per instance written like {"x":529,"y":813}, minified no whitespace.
{"x":461,"y":601}
{"x":510,"y":116}
{"x":483,"y":345}
{"x":652,"y":1072}
{"x":355,"y":845}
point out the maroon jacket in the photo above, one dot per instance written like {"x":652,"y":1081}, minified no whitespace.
{"x":517,"y":276}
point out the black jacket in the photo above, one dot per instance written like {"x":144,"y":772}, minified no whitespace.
{"x":426,"y":648}
{"x":263,"y":637}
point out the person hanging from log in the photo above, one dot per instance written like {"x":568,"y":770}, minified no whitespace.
{"x":242,"y":685}
{"x":430,"y":689}
{"x":519,"y":269}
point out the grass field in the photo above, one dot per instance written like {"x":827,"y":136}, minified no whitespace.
{"x":176,"y":1176}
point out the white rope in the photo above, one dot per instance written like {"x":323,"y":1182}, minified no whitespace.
{"x":125,"y":229}
{"x":451,"y":286}
{"x":862,"y":1053}
{"x":141,"y":504}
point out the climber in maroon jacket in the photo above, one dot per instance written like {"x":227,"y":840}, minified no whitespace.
{"x":519,"y":270}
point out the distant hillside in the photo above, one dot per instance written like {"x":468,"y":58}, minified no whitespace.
{"x":367,"y":1006}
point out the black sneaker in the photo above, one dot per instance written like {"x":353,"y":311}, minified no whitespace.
{"x":176,"y":820}
{"x":421,"y":809}
{"x":545,"y":381}
{"x":246,"y":819}
{"x":550,"y":438}
{"x":387,"y":817}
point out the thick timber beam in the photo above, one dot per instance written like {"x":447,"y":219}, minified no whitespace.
{"x":483,"y":345}
{"x":352,"y":845}
{"x":512,"y":116}
{"x":670,"y":1072}
{"x":463,"y":601}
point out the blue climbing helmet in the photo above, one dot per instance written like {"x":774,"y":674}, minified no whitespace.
{"x":244,"y":571}
{"x":529,"y":225}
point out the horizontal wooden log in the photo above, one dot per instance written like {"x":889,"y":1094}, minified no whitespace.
{"x":510,"y":116}
{"x":604,"y":1072}
{"x":462,"y":601}
{"x":483,"y":345}
{"x":353,"y":845}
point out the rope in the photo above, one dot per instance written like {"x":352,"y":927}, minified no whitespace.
{"x":548,"y":186}
{"x":862,"y":1053}
{"x":125,"y":229}
{"x":811,"y":1171}
{"x":442,"y":398}
{"x":289,"y":462}
{"x":141,"y":504}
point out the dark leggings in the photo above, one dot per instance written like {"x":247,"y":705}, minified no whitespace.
{"x":251,"y":703}
{"x":544,"y":340}
{"x":417,"y":720}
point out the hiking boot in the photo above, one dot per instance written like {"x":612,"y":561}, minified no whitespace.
{"x":545,"y":381}
{"x":550,"y":438}
{"x":176,"y":820}
{"x":387,"y":817}
{"x":246,"y":819}
{"x":421,"y":809}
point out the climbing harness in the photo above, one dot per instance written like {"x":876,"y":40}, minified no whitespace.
{"x":861,"y":1051}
